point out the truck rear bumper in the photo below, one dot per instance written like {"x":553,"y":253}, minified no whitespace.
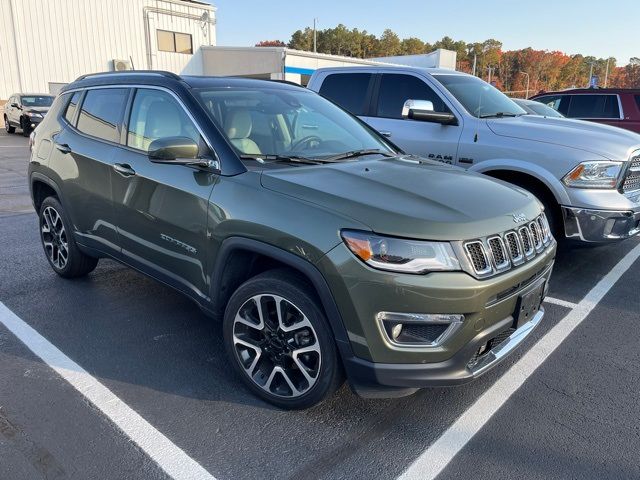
{"x":589,"y":225}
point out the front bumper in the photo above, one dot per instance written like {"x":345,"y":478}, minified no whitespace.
{"x":31,"y":122}
{"x":390,"y":379}
{"x":590,"y":225}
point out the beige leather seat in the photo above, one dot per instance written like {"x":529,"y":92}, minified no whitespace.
{"x":238,"y":128}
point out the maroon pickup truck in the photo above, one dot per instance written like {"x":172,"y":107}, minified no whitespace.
{"x":619,"y":107}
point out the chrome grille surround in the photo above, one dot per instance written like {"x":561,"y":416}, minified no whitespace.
{"x":632,"y":178}
{"x":494,"y":254}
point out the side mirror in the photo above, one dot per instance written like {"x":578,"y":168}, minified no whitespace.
{"x":422,"y":110}
{"x":15,"y":105}
{"x":180,"y":150}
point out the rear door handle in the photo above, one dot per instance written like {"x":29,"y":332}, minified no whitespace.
{"x":124,"y":169}
{"x":385,"y":133}
{"x":63,"y":147}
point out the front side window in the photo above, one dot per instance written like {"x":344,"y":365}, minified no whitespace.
{"x":70,"y":114}
{"x":271,"y":121}
{"x":349,"y":90}
{"x":174,"y":42}
{"x":156,"y":114}
{"x":594,"y":106}
{"x":102,"y":111}
{"x":478,"y":97}
{"x":396,"y":89}
{"x":36,"y":100}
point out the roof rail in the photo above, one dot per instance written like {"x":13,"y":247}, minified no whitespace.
{"x":130,"y":72}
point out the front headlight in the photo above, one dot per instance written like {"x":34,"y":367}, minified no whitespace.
{"x":34,"y":115}
{"x":400,"y":255}
{"x":598,"y":174}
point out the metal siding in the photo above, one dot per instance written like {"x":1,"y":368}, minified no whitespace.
{"x":67,"y":38}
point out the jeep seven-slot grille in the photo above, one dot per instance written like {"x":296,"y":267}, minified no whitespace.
{"x":632,"y":181}
{"x":494,"y":254}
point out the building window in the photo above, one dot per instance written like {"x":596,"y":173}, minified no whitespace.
{"x":174,"y":42}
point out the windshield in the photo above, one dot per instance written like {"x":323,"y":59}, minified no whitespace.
{"x":541,"y":109}
{"x":286,"y":123}
{"x":478,"y":97}
{"x":37,"y":101}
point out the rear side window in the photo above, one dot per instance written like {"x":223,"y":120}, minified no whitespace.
{"x":594,"y":106}
{"x":349,"y":90}
{"x":101,"y":112}
{"x":70,"y":114}
{"x":395,"y":89}
{"x":637,"y":97}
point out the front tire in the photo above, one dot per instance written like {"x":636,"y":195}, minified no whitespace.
{"x":7,"y":126}
{"x":26,"y":130}
{"x":279,"y":341}
{"x":61,"y":250}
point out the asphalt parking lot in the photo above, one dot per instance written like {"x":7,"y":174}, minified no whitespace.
{"x":564,"y":406}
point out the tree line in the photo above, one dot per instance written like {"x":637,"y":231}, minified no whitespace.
{"x":507,"y":69}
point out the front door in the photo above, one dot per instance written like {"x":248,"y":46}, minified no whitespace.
{"x":161,"y":209}
{"x":429,"y":140}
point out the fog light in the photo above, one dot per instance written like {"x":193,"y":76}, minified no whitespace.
{"x":396,"y":331}
{"x":418,"y":329}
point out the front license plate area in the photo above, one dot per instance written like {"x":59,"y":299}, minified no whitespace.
{"x":528,"y":305}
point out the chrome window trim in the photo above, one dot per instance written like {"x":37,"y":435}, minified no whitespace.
{"x":152,"y":87}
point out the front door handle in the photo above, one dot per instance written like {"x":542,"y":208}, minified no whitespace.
{"x":124,"y":169}
{"x":63,"y":147}
{"x":385,"y":133}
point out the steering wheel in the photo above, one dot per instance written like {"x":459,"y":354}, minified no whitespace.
{"x":305,"y":141}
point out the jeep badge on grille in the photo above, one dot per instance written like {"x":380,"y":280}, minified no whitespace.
{"x":519,"y":217}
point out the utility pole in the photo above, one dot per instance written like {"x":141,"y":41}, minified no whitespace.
{"x":315,"y":37}
{"x":490,"y":72}
{"x":525,"y":73}
{"x":606,"y":74}
{"x":475,"y":59}
{"x":590,"y":74}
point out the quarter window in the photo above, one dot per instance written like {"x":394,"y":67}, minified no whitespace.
{"x":396,"y":89}
{"x":349,"y":90}
{"x":156,"y":114}
{"x":174,"y":42}
{"x":594,"y":106}
{"x":102,"y":111}
{"x":637,"y":97}
{"x":72,"y":107}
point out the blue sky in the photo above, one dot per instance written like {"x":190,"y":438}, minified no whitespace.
{"x":599,"y":28}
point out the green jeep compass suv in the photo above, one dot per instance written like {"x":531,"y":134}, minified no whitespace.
{"x":325,"y":250}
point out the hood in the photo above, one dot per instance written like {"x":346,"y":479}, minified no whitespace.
{"x":612,"y":143}
{"x":396,"y":196}
{"x":41,"y":110}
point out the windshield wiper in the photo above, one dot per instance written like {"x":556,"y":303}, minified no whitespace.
{"x":262,"y":158}
{"x":500,"y":115}
{"x":357,"y":153}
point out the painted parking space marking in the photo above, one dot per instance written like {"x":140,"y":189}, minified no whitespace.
{"x":438,"y":455}
{"x":173,"y":460}
{"x":559,"y":301}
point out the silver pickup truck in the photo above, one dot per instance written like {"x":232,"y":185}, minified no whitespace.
{"x":587,"y":175}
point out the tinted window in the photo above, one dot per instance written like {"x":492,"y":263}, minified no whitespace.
{"x":156,"y":114}
{"x":72,"y":107}
{"x":397,"y":89}
{"x":594,"y":106}
{"x":552,"y":101}
{"x":348,"y":90}
{"x":102,"y":112}
{"x":638,"y":101}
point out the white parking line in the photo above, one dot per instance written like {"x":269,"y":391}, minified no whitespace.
{"x":174,"y":461}
{"x":435,"y":458}
{"x":562,"y":303}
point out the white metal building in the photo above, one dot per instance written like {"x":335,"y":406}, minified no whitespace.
{"x":47,"y":43}
{"x":282,"y":63}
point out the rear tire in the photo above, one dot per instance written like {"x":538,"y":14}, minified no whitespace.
{"x":279,"y":341}
{"x":58,"y":243}
{"x":7,"y":126}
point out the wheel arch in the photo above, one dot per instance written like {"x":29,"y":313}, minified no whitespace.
{"x":240,"y":259}
{"x":42,"y":187}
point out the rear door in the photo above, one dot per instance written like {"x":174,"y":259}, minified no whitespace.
{"x":83,"y":156}
{"x":162,"y":209}
{"x":430,"y":140}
